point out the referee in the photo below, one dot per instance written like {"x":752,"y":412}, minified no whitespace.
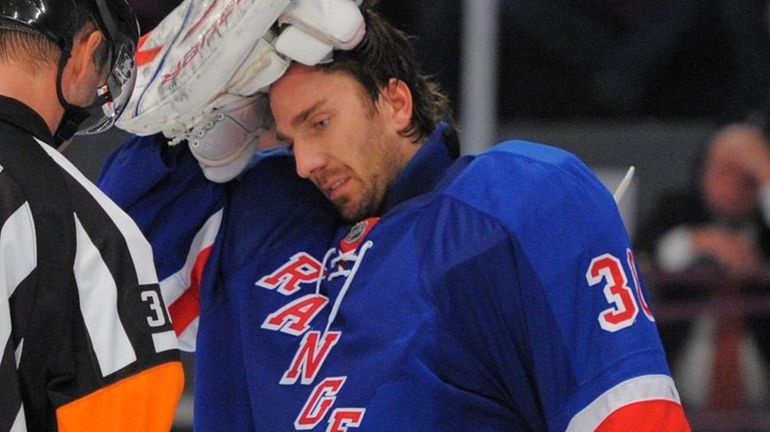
{"x":85,"y":339}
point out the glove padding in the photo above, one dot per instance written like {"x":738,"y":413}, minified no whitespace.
{"x":199,"y":52}
{"x":226,"y":140}
{"x":200,"y":69}
{"x":316,"y":27}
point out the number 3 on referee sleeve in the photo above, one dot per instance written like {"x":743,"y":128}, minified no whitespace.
{"x":156,"y":306}
{"x":623,"y":307}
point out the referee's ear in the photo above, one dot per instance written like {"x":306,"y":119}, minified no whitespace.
{"x":83,"y":73}
{"x":94,"y":50}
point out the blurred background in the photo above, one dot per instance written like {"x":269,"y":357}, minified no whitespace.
{"x":647,"y":83}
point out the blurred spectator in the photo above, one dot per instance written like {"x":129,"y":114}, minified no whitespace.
{"x":721,"y":226}
{"x":727,"y":221}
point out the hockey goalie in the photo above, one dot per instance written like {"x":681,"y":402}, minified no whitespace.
{"x":199,"y":112}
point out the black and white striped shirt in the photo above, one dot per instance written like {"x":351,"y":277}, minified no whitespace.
{"x":81,"y":315}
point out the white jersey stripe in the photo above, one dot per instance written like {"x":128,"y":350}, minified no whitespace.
{"x":173,"y":286}
{"x":18,"y":248}
{"x":5,"y":329}
{"x":5,"y":325}
{"x":639,"y":389}
{"x":98,"y":295}
{"x":188,"y":336}
{"x":20,"y":424}
{"x":18,"y":251}
{"x":17,"y":354}
{"x":138,"y":246}
{"x":165,"y":341}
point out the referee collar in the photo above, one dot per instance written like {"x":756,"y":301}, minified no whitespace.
{"x":23,"y":117}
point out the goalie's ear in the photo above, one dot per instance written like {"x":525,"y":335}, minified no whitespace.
{"x":317,"y":27}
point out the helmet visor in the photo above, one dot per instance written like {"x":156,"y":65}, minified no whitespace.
{"x":112,"y":97}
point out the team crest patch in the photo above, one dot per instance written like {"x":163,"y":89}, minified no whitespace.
{"x":357,"y":234}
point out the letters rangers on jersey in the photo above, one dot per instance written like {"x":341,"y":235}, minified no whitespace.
{"x":315,"y":346}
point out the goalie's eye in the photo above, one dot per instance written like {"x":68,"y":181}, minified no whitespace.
{"x":321,"y":124}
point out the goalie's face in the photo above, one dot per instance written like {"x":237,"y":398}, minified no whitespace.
{"x":348,"y":145}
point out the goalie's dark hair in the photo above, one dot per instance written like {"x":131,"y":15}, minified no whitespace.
{"x":387,"y":53}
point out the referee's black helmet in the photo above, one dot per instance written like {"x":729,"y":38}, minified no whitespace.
{"x":60,"y":20}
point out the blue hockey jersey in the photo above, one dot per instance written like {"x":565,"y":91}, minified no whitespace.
{"x":494,"y":293}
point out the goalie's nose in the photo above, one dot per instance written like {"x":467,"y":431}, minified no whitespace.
{"x":309,"y":160}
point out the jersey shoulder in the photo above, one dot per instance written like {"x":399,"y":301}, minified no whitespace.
{"x":518,"y":181}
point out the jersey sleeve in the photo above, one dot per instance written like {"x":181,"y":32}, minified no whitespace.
{"x":180,"y":212}
{"x":536,"y":265}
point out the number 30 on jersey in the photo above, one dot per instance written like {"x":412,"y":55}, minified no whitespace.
{"x":624,"y":307}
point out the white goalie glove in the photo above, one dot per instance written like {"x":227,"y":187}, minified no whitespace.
{"x":317,"y":27}
{"x":204,"y":70}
